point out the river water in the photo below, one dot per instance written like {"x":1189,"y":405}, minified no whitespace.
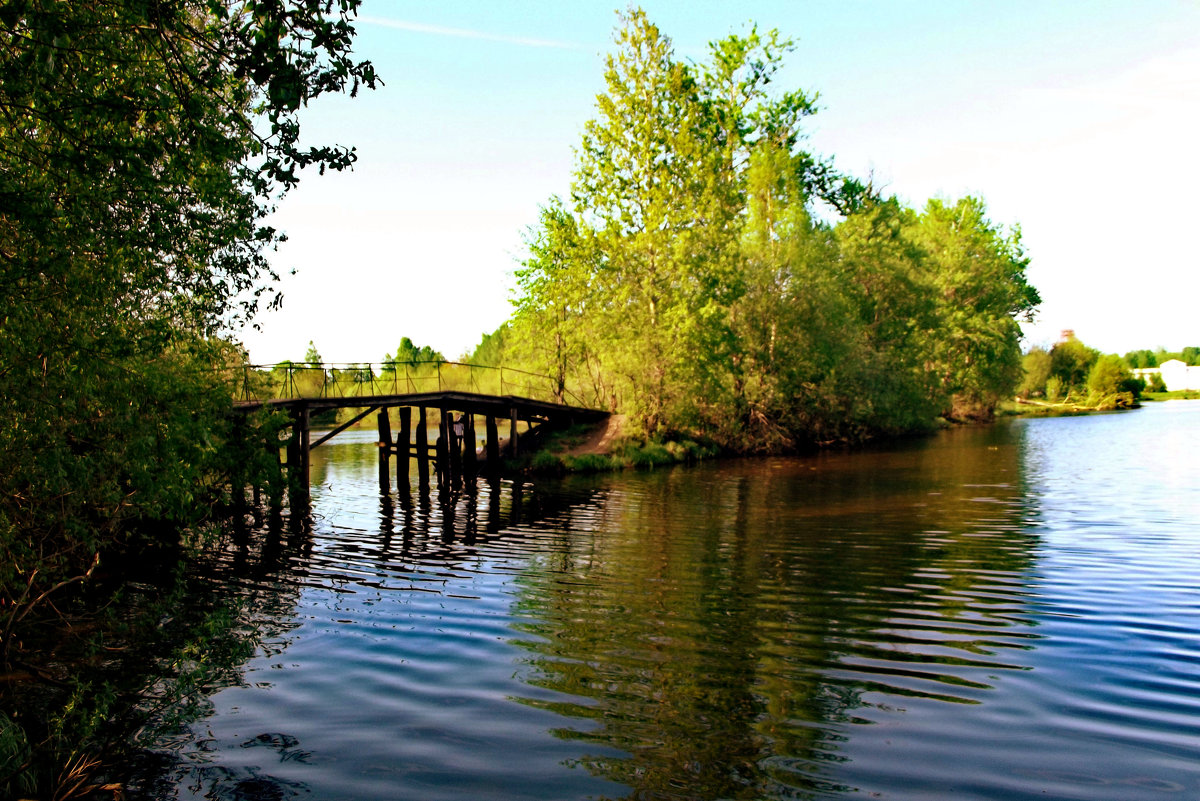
{"x":1001,"y":612}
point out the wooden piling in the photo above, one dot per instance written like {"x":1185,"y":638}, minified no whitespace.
{"x":385,"y":449}
{"x":493,"y":445}
{"x":422,"y":449}
{"x":297,"y":461}
{"x":440,"y":466}
{"x":293,"y":458}
{"x":305,"y":462}
{"x":455,"y":443}
{"x":403,"y":446}
{"x":443,"y":449}
{"x":470,"y":465}
{"x":512,"y":433}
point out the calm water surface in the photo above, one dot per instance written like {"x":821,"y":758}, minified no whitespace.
{"x":1007,"y":612}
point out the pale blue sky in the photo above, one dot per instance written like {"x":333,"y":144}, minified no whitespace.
{"x":1077,"y":120}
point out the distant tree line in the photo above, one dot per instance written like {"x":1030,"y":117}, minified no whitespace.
{"x":1154,"y":358}
{"x":1070,"y":371}
{"x":710,"y":276}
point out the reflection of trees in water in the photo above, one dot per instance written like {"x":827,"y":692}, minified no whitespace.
{"x":243,"y":575}
{"x":259,"y":572}
{"x":724,"y":626}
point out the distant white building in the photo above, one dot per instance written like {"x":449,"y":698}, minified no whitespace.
{"x":1176,"y":375}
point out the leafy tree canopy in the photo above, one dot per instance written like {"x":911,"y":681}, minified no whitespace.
{"x":409,"y":353}
{"x":142,"y":146}
{"x":710,"y":275}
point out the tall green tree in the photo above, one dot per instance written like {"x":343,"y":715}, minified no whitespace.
{"x":1037,"y":366}
{"x":886,"y":379}
{"x":1140,"y":358}
{"x":553,"y":301}
{"x":977,"y":272}
{"x":649,"y":182}
{"x":794,"y":325}
{"x":1071,"y":361}
{"x":1110,"y":383}
{"x":407,"y":352}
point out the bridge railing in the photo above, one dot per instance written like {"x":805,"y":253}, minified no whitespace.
{"x":296,"y":380}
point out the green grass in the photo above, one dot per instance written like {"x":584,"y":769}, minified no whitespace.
{"x":1179,"y":394}
{"x":552,"y":459}
{"x":591,"y":463}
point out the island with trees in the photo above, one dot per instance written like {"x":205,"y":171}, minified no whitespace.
{"x":711,"y":278}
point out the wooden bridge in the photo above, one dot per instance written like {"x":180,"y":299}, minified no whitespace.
{"x":461,"y":395}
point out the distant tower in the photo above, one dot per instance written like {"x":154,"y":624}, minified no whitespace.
{"x":1067,"y":333}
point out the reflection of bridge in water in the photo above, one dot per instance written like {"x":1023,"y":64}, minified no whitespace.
{"x":459,"y":395}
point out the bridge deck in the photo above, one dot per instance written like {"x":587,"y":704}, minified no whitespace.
{"x":469,"y":402}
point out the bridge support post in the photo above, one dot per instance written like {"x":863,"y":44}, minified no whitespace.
{"x":493,"y":445}
{"x":422,"y":449}
{"x":443,"y":450}
{"x":305,"y":462}
{"x":385,"y":449}
{"x":455,"y":449}
{"x":403,"y":447}
{"x":470,"y":467}
{"x":298,"y":472}
{"x":513,"y":447}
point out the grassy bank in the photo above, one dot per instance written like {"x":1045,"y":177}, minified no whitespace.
{"x":1019,"y":407}
{"x":604,"y":447}
{"x":1179,"y":394}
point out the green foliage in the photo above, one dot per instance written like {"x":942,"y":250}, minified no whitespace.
{"x":493,"y":349}
{"x":1188,"y":355}
{"x":1156,"y":383}
{"x":979,"y":275}
{"x":647,"y":455}
{"x":591,"y":463}
{"x":311,"y":356}
{"x":1135,"y":359}
{"x":142,"y":148}
{"x":408,"y":353}
{"x":545,"y":462}
{"x":1110,"y":384}
{"x":16,"y":780}
{"x":1056,"y":390}
{"x":689,"y":282}
{"x":1037,"y":365}
{"x":126,"y":675}
{"x":1071,"y":361}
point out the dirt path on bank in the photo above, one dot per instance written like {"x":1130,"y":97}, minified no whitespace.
{"x":601,"y":438}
